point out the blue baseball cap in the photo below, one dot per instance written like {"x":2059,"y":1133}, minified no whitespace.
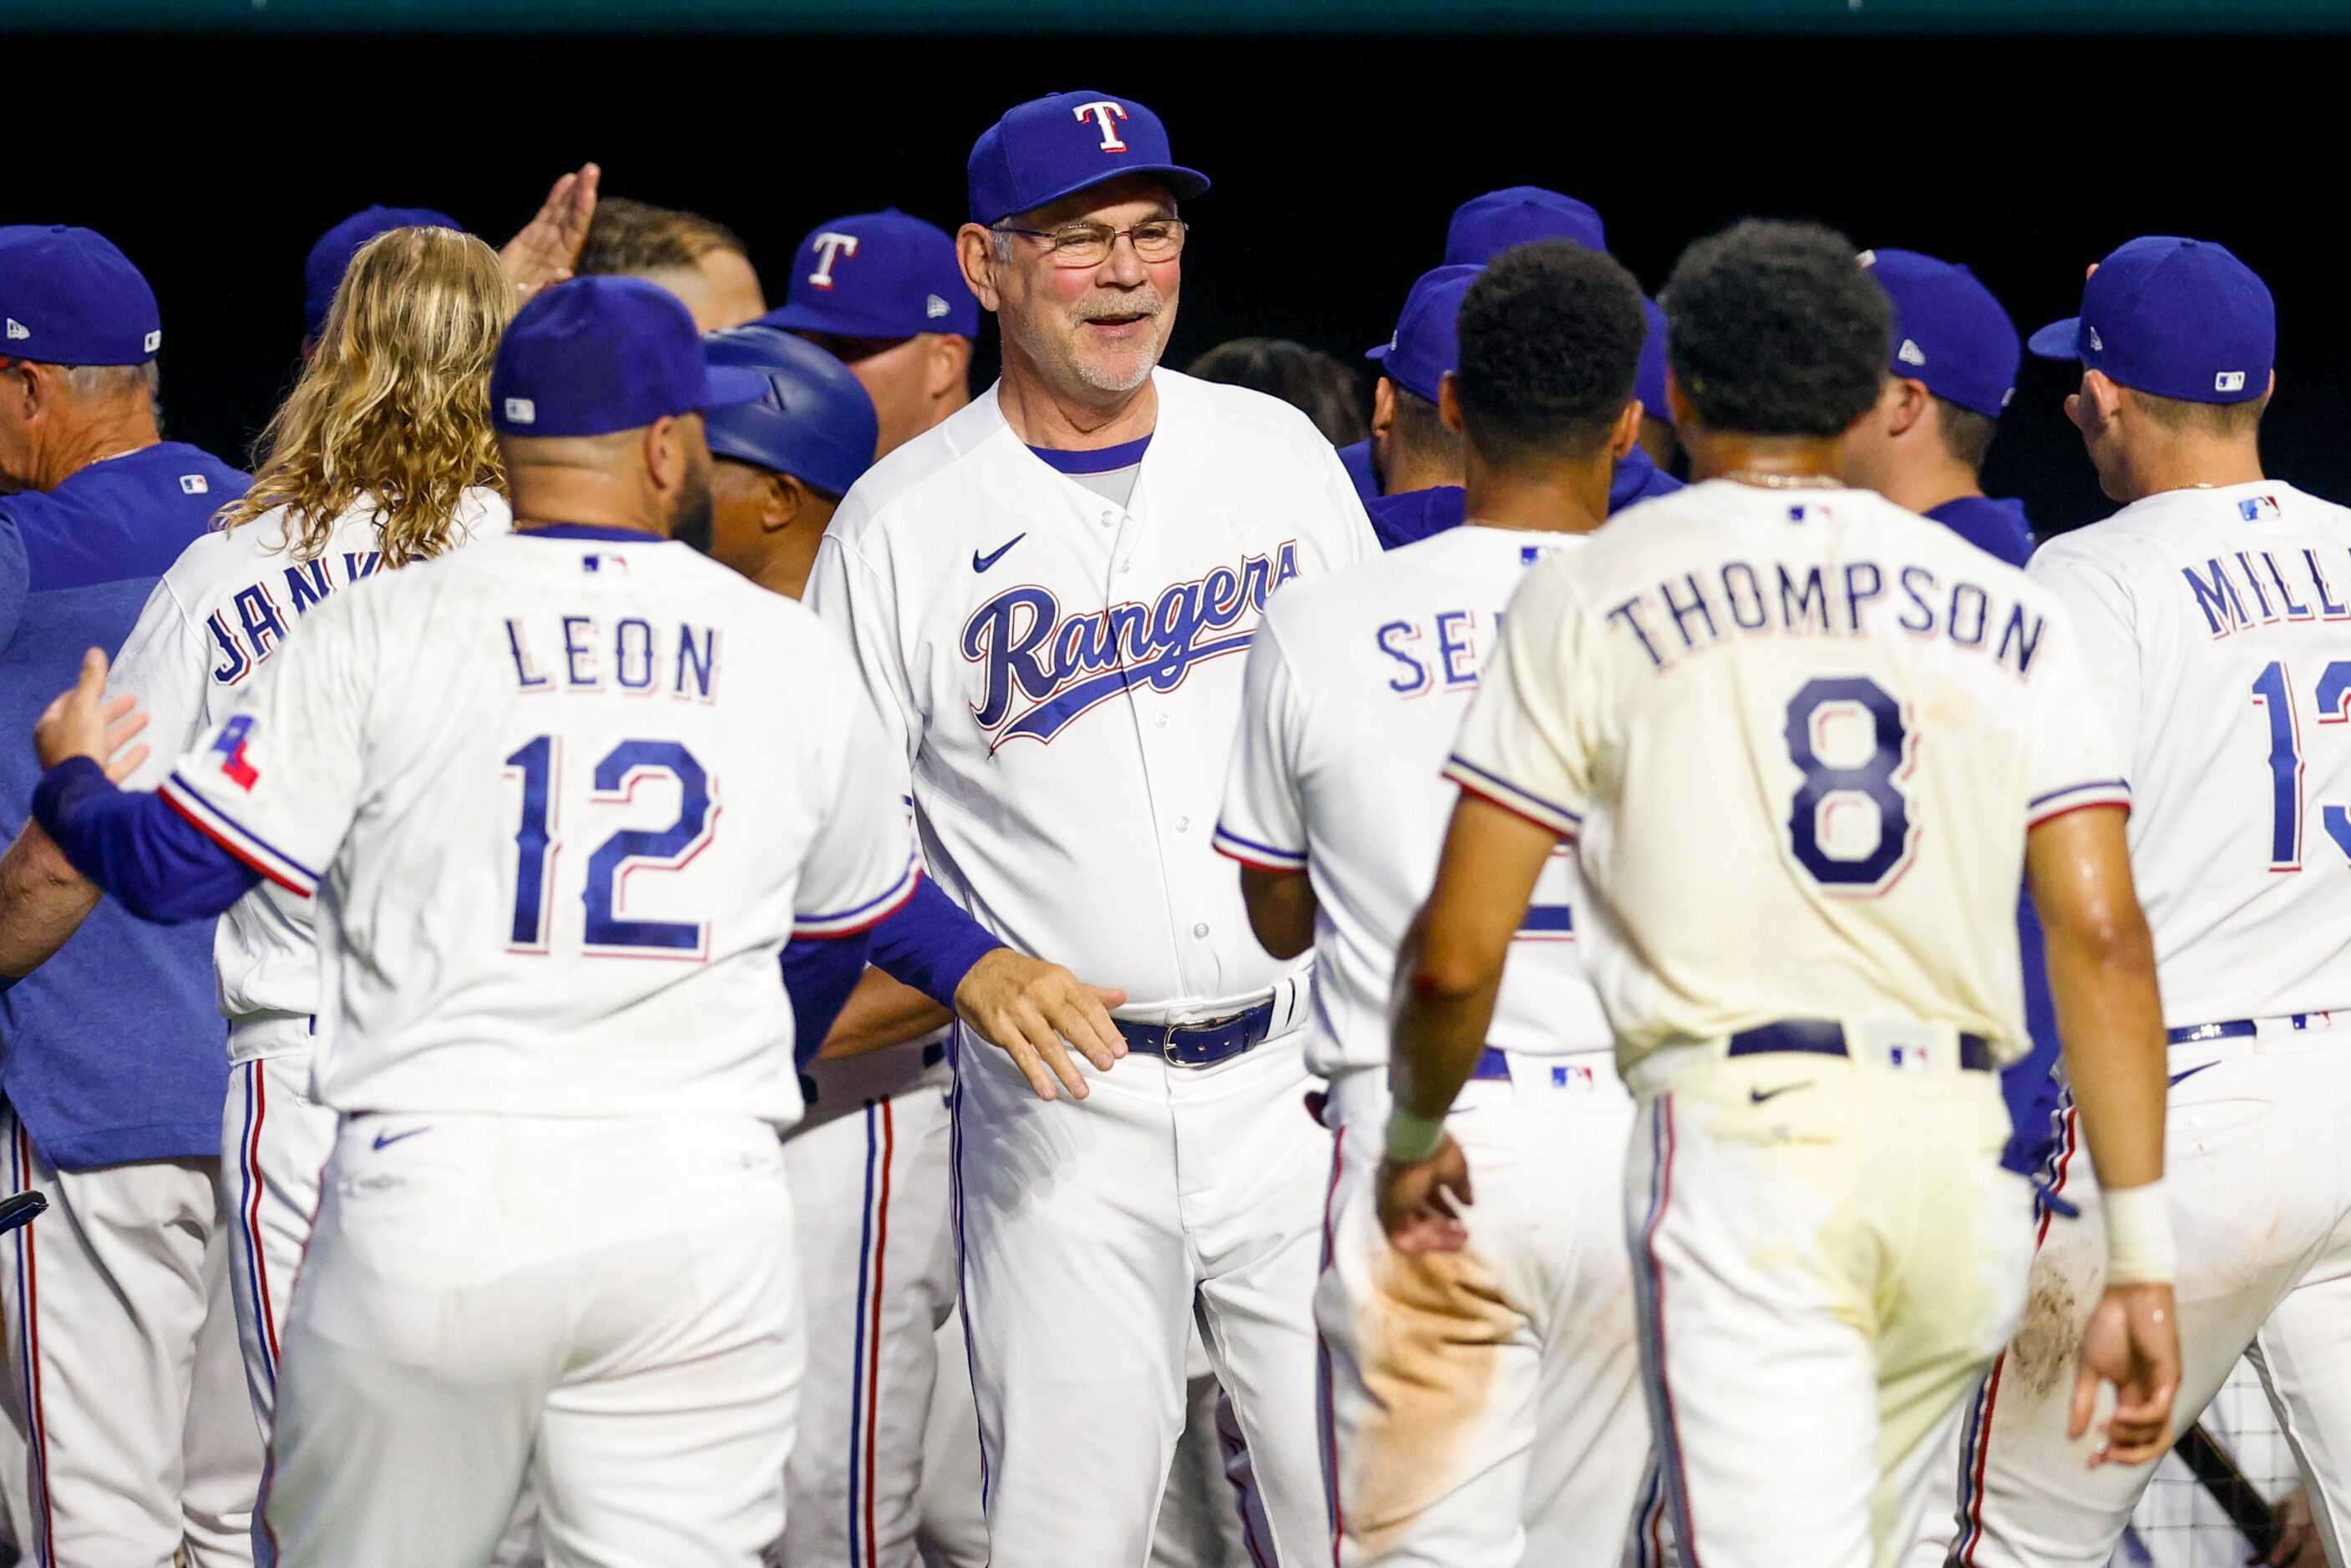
{"x":1649,"y":381}
{"x":2178,"y":318}
{"x":877,"y":274}
{"x":1948,"y":330}
{"x":813,"y":421}
{"x":1427,"y":341}
{"x":68,"y":298}
{"x":601,"y":353}
{"x":1043,"y":150}
{"x":323,"y":269}
{"x":1483,"y":227}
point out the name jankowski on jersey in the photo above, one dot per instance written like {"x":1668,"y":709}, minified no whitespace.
{"x":263,"y":623}
{"x":2295,"y":589}
{"x":1700,"y":608}
{"x":1064,"y":665}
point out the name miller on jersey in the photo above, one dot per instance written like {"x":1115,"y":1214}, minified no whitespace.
{"x":583,"y":658}
{"x":1704,"y":608}
{"x":2216,"y":594}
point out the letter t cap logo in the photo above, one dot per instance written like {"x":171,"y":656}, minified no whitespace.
{"x":829,"y":247}
{"x":1103,"y":113}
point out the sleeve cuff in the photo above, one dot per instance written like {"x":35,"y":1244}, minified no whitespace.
{"x":1252,"y":853}
{"x":1518,"y":802}
{"x":240,"y":841}
{"x":2075,"y":797}
{"x":865,"y":916}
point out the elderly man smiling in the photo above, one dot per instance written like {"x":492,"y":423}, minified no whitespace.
{"x":1045,"y":593}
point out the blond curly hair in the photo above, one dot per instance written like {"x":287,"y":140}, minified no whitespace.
{"x":395,"y":406}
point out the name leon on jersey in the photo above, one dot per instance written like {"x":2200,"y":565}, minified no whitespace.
{"x":574,"y":653}
{"x":263,"y":623}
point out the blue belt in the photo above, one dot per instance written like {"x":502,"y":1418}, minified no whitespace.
{"x":1826,"y":1037}
{"x":2233,"y":1029}
{"x":1200,"y":1044}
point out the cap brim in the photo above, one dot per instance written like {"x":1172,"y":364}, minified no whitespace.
{"x":1182,"y":183}
{"x":840,"y":322}
{"x":723,"y":386}
{"x":2058,"y":340}
{"x":1379,"y":353}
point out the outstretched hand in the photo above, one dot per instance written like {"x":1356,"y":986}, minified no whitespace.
{"x":2132,"y":1342}
{"x":84,"y":723}
{"x":1027,"y":1008}
{"x":1420,"y":1205}
{"x":549,"y":247}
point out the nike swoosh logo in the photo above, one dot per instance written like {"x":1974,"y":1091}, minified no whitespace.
{"x":1757,"y":1097}
{"x":980,"y":563}
{"x":2192,"y":1072}
{"x":386,"y":1140}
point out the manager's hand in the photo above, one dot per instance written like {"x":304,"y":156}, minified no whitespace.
{"x":1027,"y":1008}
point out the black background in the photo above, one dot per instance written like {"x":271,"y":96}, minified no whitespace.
{"x":215,"y":160}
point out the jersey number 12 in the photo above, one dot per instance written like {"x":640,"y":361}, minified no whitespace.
{"x":608,"y":932}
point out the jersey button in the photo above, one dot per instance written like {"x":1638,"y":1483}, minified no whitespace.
{"x":1201,"y":929}
{"x":1182,"y":825}
{"x":1160,"y":720}
{"x":1110,"y":519}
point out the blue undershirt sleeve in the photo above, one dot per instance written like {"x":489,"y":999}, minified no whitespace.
{"x":819,"y":972}
{"x":931,"y":944}
{"x":155,"y":862}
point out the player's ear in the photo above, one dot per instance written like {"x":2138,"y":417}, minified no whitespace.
{"x":1681,"y":414}
{"x":1906,"y":402}
{"x":783,"y":499}
{"x":663,"y":447}
{"x":950,"y":364}
{"x":1383,"y":405}
{"x":1448,"y":402}
{"x":1627,"y":434}
{"x":975,"y":253}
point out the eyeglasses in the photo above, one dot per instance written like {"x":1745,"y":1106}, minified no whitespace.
{"x":1075,"y":246}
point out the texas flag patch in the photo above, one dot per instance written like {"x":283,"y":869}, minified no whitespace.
{"x":230,"y":749}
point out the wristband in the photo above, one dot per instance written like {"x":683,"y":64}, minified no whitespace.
{"x":2139,"y":1249}
{"x":1411,"y":1138}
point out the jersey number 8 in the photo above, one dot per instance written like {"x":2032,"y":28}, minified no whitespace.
{"x":1826,"y":709}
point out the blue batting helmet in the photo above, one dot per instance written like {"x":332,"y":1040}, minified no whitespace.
{"x":815,"y":423}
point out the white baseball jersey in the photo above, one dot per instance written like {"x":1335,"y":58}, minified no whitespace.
{"x":562,"y":797}
{"x":222,"y":612}
{"x":1060,"y":672}
{"x":2215,"y":627}
{"x":1798,"y":736}
{"x":1356,"y":686}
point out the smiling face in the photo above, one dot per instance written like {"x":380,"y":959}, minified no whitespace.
{"x":1091,"y":334}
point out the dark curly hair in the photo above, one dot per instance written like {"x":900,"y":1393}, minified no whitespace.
{"x":1551,"y":343}
{"x":1325,"y":390}
{"x":1776,"y":330}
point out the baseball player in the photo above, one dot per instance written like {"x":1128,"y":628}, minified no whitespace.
{"x":2211,"y":614}
{"x":544,"y":987}
{"x":120,"y":1336}
{"x":1419,"y":454}
{"x":1043,"y":593}
{"x":703,"y":263}
{"x":868,"y":1163}
{"x":1800,"y":741}
{"x":1948,"y":381}
{"x":883,"y":291}
{"x":349,"y":485}
{"x":1486,"y":1407}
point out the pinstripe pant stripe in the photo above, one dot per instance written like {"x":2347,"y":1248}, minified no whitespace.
{"x":1652,"y":1284}
{"x":963,"y":1265}
{"x":858,"y":1411}
{"x":1322,"y":1356}
{"x":249,"y":1213}
{"x":28,"y":1345}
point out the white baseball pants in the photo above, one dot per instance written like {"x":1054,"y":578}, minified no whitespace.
{"x":1486,"y":1405}
{"x":122,"y":1377}
{"x":1093,"y":1233}
{"x":275,"y":1140}
{"x":606,"y":1308}
{"x":2258,"y":1168}
{"x":869,"y":1180}
{"x":954,"y":1530}
{"x":1828,"y":1255}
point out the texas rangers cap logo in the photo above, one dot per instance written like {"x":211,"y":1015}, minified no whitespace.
{"x":1102,"y":112}
{"x":829,"y":247}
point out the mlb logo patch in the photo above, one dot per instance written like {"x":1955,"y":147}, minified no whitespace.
{"x":600,"y":564}
{"x":1573,"y":1075}
{"x":1907,"y":1058}
{"x":230,"y":749}
{"x":2228,"y":381}
{"x":522,"y":411}
{"x":2255,"y":508}
{"x":195,"y":484}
